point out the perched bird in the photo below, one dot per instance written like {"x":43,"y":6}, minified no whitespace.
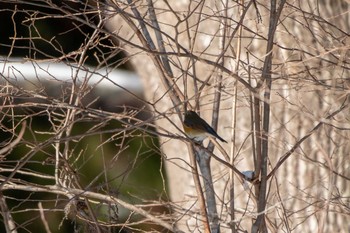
{"x":197,"y":128}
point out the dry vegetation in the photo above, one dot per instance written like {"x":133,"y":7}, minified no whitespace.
{"x":271,"y":76}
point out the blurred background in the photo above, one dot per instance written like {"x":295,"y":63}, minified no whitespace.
{"x":40,"y":66}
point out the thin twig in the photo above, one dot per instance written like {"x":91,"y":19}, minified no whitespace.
{"x":68,"y":192}
{"x":43,"y":219}
{"x":10,"y":225}
{"x":13,"y":144}
{"x":300,"y":141}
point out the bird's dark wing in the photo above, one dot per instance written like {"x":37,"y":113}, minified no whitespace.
{"x":212,"y":132}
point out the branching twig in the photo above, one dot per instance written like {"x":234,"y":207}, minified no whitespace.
{"x":71,"y":193}
{"x":300,"y":141}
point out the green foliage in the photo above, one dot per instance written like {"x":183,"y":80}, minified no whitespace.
{"x":103,"y":159}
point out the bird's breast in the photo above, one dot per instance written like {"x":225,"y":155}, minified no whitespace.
{"x":198,"y":135}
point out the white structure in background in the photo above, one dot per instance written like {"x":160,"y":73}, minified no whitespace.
{"x":113,"y":85}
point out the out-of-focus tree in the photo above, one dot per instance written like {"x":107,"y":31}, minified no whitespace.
{"x":270,"y":76}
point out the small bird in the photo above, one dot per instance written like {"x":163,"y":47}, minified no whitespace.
{"x":197,"y":128}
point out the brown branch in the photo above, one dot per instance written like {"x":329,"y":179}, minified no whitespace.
{"x":193,"y":157}
{"x":275,"y":13}
{"x":71,"y":193}
{"x":146,"y":40}
{"x":14,"y":142}
{"x":43,"y":219}
{"x":9,"y":223}
{"x":300,"y":141}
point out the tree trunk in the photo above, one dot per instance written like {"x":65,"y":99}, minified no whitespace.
{"x":307,"y":65}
